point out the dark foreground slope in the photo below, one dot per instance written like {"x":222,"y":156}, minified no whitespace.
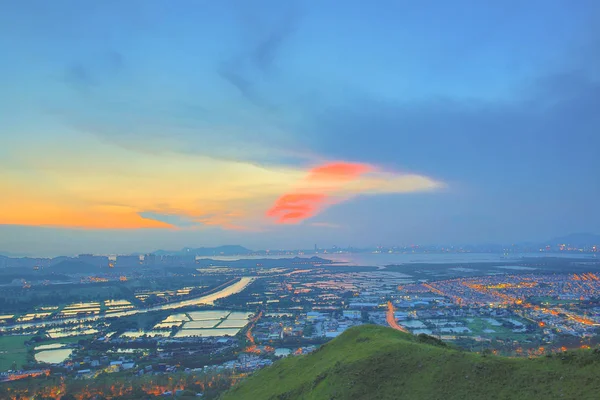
{"x":373,"y":362}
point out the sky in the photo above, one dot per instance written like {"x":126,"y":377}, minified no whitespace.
{"x":137,"y":125}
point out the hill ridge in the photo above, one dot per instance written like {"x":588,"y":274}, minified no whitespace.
{"x":374,"y":362}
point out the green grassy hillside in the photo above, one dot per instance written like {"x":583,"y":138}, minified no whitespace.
{"x":373,"y":362}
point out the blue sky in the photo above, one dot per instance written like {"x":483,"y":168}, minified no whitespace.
{"x":130,"y":126}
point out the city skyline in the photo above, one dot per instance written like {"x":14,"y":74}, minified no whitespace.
{"x":141,"y":126}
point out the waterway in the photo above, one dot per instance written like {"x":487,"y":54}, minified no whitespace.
{"x":383,"y":259}
{"x":208,"y":299}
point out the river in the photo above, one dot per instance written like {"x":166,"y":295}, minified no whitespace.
{"x":383,"y":259}
{"x":208,"y":299}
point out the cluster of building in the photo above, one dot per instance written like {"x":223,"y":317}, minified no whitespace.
{"x":289,"y":310}
{"x":555,"y":301}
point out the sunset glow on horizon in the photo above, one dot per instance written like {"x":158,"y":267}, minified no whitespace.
{"x":281,"y":124}
{"x":164,"y":198}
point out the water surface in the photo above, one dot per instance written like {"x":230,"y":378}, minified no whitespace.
{"x":55,"y":356}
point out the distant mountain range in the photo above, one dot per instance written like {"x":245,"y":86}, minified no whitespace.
{"x":7,"y":254}
{"x":74,"y":267}
{"x":577,"y":239}
{"x":227,"y":250}
{"x":571,"y":242}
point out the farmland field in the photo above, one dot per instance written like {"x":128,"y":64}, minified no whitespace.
{"x":12,"y":349}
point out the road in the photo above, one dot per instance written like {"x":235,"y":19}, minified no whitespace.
{"x":252,"y":346}
{"x":391,"y":319}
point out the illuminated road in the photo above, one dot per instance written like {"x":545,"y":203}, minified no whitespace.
{"x":391,"y":319}
{"x":252,"y":347}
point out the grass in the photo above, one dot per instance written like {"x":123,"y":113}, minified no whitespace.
{"x":478,"y":325}
{"x":373,"y":362}
{"x":13,"y":350}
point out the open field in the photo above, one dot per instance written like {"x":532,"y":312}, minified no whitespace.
{"x":479,"y":326}
{"x":13,"y":350}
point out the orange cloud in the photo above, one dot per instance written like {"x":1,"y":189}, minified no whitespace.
{"x":62,"y":188}
{"x":38,"y":213}
{"x":294,"y":207}
{"x":335,"y":182}
{"x":338,"y":171}
{"x":226,"y":220}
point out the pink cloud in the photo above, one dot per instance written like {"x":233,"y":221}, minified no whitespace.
{"x":292,"y":208}
{"x":338,"y":171}
{"x":334,"y":182}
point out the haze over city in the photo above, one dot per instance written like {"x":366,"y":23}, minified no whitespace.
{"x":132,"y":126}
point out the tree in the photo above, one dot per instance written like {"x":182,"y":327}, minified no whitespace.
{"x":364,"y":316}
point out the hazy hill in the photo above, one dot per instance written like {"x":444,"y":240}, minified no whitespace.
{"x":374,"y":362}
{"x":228,"y":250}
{"x":73,"y":267}
{"x":577,"y":239}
